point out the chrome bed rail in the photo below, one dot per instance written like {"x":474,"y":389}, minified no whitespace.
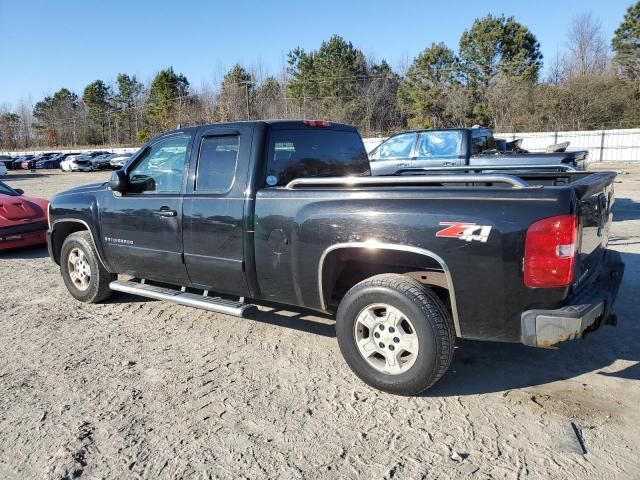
{"x":511,"y":180}
{"x":561,"y":167}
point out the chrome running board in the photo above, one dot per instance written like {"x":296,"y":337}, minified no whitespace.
{"x":214,"y":304}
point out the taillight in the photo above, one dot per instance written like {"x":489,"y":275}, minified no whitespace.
{"x":549,"y":252}
{"x":317,"y":123}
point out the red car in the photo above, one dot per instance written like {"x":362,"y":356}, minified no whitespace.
{"x":23,"y":220}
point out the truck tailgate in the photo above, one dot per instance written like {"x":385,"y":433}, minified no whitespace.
{"x":595,"y":201}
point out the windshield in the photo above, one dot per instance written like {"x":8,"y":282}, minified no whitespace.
{"x":7,"y":190}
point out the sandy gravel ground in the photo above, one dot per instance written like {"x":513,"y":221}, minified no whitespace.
{"x":134,"y":388}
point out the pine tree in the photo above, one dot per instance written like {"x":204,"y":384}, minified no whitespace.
{"x":626,"y":43}
{"x":96,"y":97}
{"x":499,"y":45}
{"x":423,"y":93}
{"x":167,"y":91}
{"x":128,"y":100}
{"x":327,"y":81}
{"x":236,"y":92}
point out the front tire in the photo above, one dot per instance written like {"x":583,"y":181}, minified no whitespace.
{"x":395,"y":334}
{"x":84,"y":275}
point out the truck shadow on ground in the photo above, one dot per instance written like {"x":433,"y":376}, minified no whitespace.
{"x":25,"y":253}
{"x":485,"y":367}
{"x":308,"y":322}
{"x":626,"y":209}
{"x":24,"y":176}
{"x":302,"y":321}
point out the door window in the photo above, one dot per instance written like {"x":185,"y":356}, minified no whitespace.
{"x":217,"y":163}
{"x":399,"y":146}
{"x":444,"y":144}
{"x":161,"y":168}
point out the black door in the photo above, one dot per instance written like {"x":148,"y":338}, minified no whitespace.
{"x":142,"y":228}
{"x":213,"y":211}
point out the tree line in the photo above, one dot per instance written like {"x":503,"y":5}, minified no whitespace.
{"x":494,"y":79}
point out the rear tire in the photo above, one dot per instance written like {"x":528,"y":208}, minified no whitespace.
{"x":82,"y":271}
{"x":395,"y":334}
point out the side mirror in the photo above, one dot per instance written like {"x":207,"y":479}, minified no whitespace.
{"x":19,"y":191}
{"x":119,"y":181}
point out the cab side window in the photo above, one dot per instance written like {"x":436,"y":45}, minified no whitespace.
{"x":479,"y":144}
{"x":161,"y":167}
{"x":439,"y":144}
{"x":217,"y":163}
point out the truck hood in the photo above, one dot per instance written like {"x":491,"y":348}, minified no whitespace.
{"x":92,"y":187}
{"x":22,"y":209}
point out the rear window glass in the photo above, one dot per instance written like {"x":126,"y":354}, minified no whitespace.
{"x":314,"y":153}
{"x":479,"y":144}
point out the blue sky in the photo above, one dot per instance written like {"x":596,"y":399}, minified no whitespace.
{"x":46,"y":45}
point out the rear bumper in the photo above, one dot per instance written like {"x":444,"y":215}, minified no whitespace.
{"x":583,"y":312}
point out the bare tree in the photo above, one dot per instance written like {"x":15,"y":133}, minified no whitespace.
{"x":587,"y":53}
{"x":25,"y":107}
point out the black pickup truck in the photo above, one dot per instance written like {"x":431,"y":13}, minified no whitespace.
{"x":286,"y":212}
{"x":462,"y":149}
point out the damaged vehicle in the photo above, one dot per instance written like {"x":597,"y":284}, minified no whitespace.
{"x":463,"y":149}
{"x":23,"y":219}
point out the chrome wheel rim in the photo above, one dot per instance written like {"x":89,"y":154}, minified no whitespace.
{"x":79,"y":269}
{"x":386,"y":339}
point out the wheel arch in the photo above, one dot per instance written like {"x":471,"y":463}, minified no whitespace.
{"x":61,"y":229}
{"x":389,"y":258}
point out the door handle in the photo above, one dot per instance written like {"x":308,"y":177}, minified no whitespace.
{"x":165,"y":212}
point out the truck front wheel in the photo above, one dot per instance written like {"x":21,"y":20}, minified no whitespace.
{"x":84,"y":275}
{"x":395,"y":334}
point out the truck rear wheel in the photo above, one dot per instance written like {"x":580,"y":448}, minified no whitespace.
{"x":395,"y":334}
{"x":84,"y":275}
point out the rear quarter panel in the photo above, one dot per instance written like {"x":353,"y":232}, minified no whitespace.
{"x":487,"y":277}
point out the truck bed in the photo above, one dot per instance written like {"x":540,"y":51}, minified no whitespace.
{"x":322,"y":212}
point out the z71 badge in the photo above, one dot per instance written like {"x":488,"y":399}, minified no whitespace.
{"x":465,"y":231}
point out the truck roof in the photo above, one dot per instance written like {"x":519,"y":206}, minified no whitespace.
{"x":451,"y":129}
{"x":274,"y":124}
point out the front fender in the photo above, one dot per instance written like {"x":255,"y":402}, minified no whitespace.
{"x":71,"y":212}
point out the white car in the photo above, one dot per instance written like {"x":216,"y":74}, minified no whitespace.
{"x":3,"y":169}
{"x":82,"y":162}
{"x":77,"y":163}
{"x":119,"y":160}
